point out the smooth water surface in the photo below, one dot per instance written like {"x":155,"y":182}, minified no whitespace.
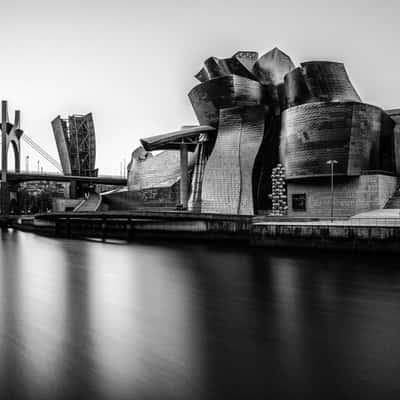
{"x":82,"y":319}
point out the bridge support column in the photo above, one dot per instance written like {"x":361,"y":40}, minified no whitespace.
{"x":73,"y":190}
{"x":4,"y":185}
{"x":14,"y":197}
{"x":184,"y":187}
{"x":10,"y":137}
{"x":4,"y":199}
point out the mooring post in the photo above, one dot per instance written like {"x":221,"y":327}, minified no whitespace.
{"x":184,"y":176}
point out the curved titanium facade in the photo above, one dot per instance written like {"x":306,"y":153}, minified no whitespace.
{"x":228,"y":175}
{"x":228,"y":91}
{"x":270,"y":70}
{"x":395,"y":118}
{"x":354,"y":134}
{"x":319,"y":81}
{"x":296,"y":88}
{"x":272,"y":67}
{"x":241,"y":64}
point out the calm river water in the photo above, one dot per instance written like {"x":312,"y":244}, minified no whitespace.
{"x":82,"y":319}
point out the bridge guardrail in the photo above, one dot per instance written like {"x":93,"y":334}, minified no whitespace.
{"x":49,"y":176}
{"x":33,"y":173}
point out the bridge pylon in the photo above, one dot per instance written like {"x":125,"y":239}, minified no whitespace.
{"x":10,"y":137}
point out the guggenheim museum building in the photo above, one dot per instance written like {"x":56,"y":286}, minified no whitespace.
{"x":254,"y":114}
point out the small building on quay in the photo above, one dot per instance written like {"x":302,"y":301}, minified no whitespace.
{"x":259,"y":115}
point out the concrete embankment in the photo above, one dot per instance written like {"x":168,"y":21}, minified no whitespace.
{"x":323,"y":236}
{"x":145,"y":224}
{"x":343,"y":235}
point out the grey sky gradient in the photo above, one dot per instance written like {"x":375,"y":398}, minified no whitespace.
{"x":132,"y":63}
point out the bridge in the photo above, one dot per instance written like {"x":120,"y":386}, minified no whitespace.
{"x":75,"y":139}
{"x":57,"y":177}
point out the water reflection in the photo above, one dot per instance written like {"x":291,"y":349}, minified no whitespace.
{"x":161,"y":321}
{"x":40,"y":313}
{"x":141,"y":317}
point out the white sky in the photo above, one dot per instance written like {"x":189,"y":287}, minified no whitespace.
{"x":132,"y":63}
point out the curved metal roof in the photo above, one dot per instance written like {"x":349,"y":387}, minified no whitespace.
{"x":173,"y":140}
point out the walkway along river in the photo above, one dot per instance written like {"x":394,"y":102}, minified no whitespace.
{"x":364,"y":234}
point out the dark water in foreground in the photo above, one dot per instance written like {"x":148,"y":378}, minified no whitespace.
{"x":184,"y":321}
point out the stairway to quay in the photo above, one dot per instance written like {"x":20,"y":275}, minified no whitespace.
{"x":365,"y":232}
{"x":91,"y":203}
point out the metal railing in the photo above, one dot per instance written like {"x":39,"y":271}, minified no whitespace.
{"x":58,"y":174}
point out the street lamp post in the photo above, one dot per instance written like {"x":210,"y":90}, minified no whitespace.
{"x":332,"y":163}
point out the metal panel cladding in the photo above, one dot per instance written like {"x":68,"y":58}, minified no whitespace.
{"x":227,"y":91}
{"x":314,"y":133}
{"x":317,"y":81}
{"x":227,"y":182}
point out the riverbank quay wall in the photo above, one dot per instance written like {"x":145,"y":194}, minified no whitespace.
{"x":364,"y":236}
{"x":359,"y":235}
{"x":141,"y":224}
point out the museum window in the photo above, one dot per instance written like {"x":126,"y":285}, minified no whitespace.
{"x":299,"y":202}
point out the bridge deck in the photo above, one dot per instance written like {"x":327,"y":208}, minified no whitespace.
{"x":55,"y":177}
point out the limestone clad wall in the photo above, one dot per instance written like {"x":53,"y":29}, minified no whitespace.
{"x":352,"y":195}
{"x":151,"y":197}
